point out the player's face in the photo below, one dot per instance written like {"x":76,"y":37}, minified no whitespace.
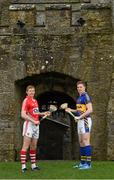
{"x":31,"y":92}
{"x":80,"y":88}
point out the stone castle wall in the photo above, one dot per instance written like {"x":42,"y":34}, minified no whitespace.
{"x":53,"y":40}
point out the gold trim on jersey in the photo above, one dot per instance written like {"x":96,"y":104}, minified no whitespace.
{"x":81,"y":107}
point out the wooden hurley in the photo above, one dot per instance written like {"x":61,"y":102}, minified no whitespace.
{"x":52,"y":108}
{"x":65,"y":106}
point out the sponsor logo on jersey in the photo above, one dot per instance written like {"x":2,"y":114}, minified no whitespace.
{"x":36,"y":110}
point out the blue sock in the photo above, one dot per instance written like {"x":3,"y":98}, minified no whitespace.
{"x":88,"y":153}
{"x":82,"y":154}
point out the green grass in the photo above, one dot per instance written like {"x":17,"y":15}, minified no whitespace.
{"x":58,"y":170}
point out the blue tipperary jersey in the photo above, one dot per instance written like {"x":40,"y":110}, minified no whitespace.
{"x":81,"y":102}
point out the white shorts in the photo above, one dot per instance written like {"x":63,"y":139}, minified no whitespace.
{"x":30,"y":130}
{"x":84,"y":126}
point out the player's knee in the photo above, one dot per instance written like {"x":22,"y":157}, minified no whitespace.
{"x":32,"y":146}
{"x":85,"y":142}
{"x":25,"y":148}
{"x":81,"y":143}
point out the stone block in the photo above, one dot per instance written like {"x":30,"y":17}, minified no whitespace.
{"x":40,"y":19}
{"x":75,"y":17}
{"x":21,"y":7}
{"x":97,"y":20}
{"x":23,"y":13}
{"x":61,"y":19}
{"x":101,"y":1}
{"x":76,"y":7}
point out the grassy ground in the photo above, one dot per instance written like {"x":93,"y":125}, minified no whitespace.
{"x":58,"y":170}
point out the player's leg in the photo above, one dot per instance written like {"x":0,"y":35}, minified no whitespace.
{"x":26,"y":143}
{"x":33,"y":147}
{"x":23,"y":152}
{"x":87,"y":147}
{"x":82,"y":149}
{"x":32,"y":153}
{"x":85,"y":141}
{"x":82,"y":152}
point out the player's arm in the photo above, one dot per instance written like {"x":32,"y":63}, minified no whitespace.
{"x":88,"y":111}
{"x":25,"y":116}
{"x":46,"y":113}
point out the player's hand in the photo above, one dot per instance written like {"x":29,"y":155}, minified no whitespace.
{"x":77,"y":118}
{"x":47,"y":113}
{"x":36,"y":122}
{"x":68,"y":109}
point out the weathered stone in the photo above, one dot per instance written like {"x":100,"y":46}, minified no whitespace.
{"x":25,"y":16}
{"x":41,"y":43}
{"x":23,"y":7}
{"x":76,"y":7}
{"x":40,"y":7}
{"x":58,"y":7}
{"x":40,"y":19}
{"x":86,"y":1}
{"x":75,"y":17}
{"x":95,"y":6}
{"x":45,"y":1}
{"x":101,"y":1}
{"x":97,"y":20}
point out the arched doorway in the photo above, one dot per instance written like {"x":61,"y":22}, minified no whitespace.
{"x":56,"y":87}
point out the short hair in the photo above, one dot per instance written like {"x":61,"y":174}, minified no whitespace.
{"x":81,"y":82}
{"x":30,"y":87}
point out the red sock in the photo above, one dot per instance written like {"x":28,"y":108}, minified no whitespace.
{"x":23,"y":157}
{"x":33,"y":156}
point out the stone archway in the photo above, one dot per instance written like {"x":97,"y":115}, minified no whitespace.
{"x":51,"y":84}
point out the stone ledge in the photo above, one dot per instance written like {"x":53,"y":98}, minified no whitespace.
{"x":87,"y":1}
{"x":95,"y":6}
{"x":21,"y":7}
{"x":58,"y":7}
{"x":5,"y":34}
{"x":44,"y":1}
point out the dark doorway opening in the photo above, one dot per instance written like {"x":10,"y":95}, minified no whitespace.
{"x":56,"y":98}
{"x":51,"y":140}
{"x":55,"y":139}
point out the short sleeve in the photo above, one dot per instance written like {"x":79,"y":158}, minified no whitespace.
{"x":87,"y":99}
{"x":24,"y":105}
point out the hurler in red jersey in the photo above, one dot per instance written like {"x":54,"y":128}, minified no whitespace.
{"x":30,"y":113}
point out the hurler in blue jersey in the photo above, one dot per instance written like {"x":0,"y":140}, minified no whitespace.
{"x":84,"y":123}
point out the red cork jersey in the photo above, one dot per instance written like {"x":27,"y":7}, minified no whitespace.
{"x":30,"y":105}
